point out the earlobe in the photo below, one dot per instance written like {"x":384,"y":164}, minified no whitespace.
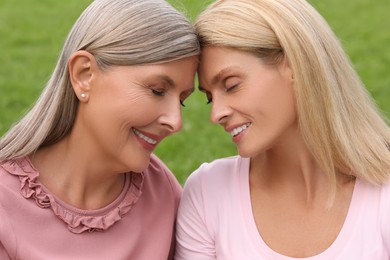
{"x":81,"y":69}
{"x":287,"y":71}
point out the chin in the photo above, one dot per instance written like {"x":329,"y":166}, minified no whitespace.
{"x":139,"y":165}
{"x":248,"y":153}
{"x":244,"y":153}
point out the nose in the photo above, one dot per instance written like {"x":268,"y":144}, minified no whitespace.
{"x":220,"y":111}
{"x":171,"y":117}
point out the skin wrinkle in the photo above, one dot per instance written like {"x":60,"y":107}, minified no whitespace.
{"x":119,"y":100}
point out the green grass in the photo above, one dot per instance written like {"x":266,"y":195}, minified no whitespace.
{"x":32,"y":33}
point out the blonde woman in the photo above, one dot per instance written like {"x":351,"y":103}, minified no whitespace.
{"x":312,"y":176}
{"x":78,"y":178}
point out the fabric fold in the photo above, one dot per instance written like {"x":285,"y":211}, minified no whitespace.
{"x":77,"y":220}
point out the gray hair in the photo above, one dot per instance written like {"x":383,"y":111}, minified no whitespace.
{"x":117,"y":33}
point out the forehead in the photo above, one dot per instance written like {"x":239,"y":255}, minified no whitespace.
{"x":176,"y":73}
{"x":179,"y":68}
{"x":216,"y":61}
{"x":214,"y":55}
{"x":180,"y":73}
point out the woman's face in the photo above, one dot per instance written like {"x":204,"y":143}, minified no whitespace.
{"x":252,"y":101}
{"x":131,"y":109}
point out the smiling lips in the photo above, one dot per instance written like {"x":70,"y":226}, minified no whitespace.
{"x":152,"y":141}
{"x":239,"y":129}
{"x":144,"y":137}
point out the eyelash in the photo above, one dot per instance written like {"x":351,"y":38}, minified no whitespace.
{"x":209,"y":99}
{"x":231,"y":88}
{"x":161,"y":93}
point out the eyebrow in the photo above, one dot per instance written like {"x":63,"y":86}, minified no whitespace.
{"x":172,"y":84}
{"x":219,"y":75}
{"x":167,"y":79}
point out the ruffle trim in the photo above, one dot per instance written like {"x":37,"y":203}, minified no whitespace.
{"x":78,"y":221}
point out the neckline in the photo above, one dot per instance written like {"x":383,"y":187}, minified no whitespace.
{"x":77,"y":220}
{"x":258,"y":242}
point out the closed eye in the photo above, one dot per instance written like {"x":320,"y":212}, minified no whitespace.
{"x":159,"y":93}
{"x":231,"y":88}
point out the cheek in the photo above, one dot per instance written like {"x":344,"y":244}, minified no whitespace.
{"x":124,"y":103}
{"x":116,"y":114}
{"x":288,"y":99}
{"x":274,"y":101}
{"x":285,"y":108}
{"x":135,"y":114}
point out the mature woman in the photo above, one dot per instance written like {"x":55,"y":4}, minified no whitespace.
{"x":78,"y":179}
{"x":312,"y":176}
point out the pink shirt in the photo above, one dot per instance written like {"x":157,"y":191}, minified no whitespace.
{"x":139,"y":224}
{"x":215,"y":219}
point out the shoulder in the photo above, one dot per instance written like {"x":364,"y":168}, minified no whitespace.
{"x":216,"y":179}
{"x":385,"y":214}
{"x":218,"y":171}
{"x":378,"y":208}
{"x":10,"y":172}
{"x":386,"y":189}
{"x":10,"y":199}
{"x":158,"y":176}
{"x":227,"y":164}
{"x":8,"y":243}
{"x":385,"y":203}
{"x":158,"y":170}
{"x":211,"y":194}
{"x":375,"y":196}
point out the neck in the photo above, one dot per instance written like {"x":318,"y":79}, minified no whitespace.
{"x":290,"y":169}
{"x":75,"y":178}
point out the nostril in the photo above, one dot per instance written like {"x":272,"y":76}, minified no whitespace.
{"x":222,"y":119}
{"x":219,"y":116}
{"x":173,"y":124}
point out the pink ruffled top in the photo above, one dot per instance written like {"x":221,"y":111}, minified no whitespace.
{"x":77,"y":220}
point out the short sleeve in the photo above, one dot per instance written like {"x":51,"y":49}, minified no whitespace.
{"x":193,"y":239}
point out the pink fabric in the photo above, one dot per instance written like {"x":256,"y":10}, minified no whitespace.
{"x":215,"y":219}
{"x":139,"y":224}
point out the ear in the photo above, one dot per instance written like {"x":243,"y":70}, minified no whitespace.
{"x":286,"y":70}
{"x":82,"y":66}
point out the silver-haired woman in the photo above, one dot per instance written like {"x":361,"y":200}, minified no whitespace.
{"x":78,"y":178}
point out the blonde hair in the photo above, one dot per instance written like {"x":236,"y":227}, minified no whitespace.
{"x":120,"y":32}
{"x":337,"y":117}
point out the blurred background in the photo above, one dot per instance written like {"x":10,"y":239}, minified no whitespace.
{"x":32,"y":34}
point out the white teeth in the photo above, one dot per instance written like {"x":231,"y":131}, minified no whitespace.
{"x":147,"y":139}
{"x":239,"y":129}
